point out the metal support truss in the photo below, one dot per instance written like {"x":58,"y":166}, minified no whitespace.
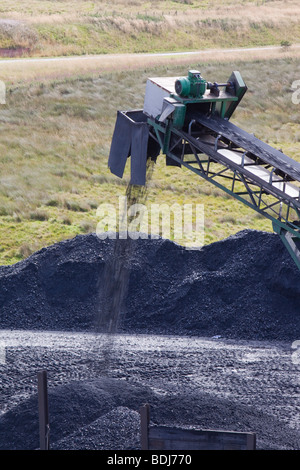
{"x":203,"y":153}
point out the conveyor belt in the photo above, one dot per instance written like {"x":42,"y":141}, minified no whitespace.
{"x":269,"y":155}
{"x":255,"y":172}
{"x":260,"y":176}
{"x":261,"y":172}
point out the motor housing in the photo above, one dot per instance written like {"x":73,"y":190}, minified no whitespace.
{"x":194,"y":85}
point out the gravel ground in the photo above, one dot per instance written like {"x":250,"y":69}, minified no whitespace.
{"x":206,"y":338}
{"x":97,"y":384}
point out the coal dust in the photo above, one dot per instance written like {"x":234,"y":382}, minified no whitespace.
{"x":117,"y":268}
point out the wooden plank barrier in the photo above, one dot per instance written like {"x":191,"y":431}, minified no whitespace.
{"x":159,"y":437}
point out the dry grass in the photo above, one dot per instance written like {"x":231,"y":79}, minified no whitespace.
{"x":70,"y":11}
{"x":83,"y":26}
{"x":56,"y":136}
{"x":39,"y":70}
{"x":59,"y":117}
{"x":18,"y":33}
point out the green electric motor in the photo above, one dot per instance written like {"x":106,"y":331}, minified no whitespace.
{"x":193,"y":85}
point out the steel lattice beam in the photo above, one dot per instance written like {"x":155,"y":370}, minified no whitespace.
{"x":261,"y":196}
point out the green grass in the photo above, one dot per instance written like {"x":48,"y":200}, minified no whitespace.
{"x":50,"y":27}
{"x":55,"y":139}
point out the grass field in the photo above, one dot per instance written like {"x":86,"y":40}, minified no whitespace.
{"x":55,"y":139}
{"x":58,"y":120}
{"x":51,"y":27}
{"x":40,"y":70}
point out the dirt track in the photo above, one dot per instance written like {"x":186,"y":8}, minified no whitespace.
{"x":41,"y":68}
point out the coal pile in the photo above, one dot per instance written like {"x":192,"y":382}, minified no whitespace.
{"x":85,"y":415}
{"x":103,"y":415}
{"x":244,"y":287}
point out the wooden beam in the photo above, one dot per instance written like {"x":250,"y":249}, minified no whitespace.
{"x":44,"y":426}
{"x":145,"y":418}
{"x":172,"y":438}
{"x":155,"y":437}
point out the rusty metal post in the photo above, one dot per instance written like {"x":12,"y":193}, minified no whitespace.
{"x":44,"y":426}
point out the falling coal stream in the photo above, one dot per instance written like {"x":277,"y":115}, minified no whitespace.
{"x":117,"y":268}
